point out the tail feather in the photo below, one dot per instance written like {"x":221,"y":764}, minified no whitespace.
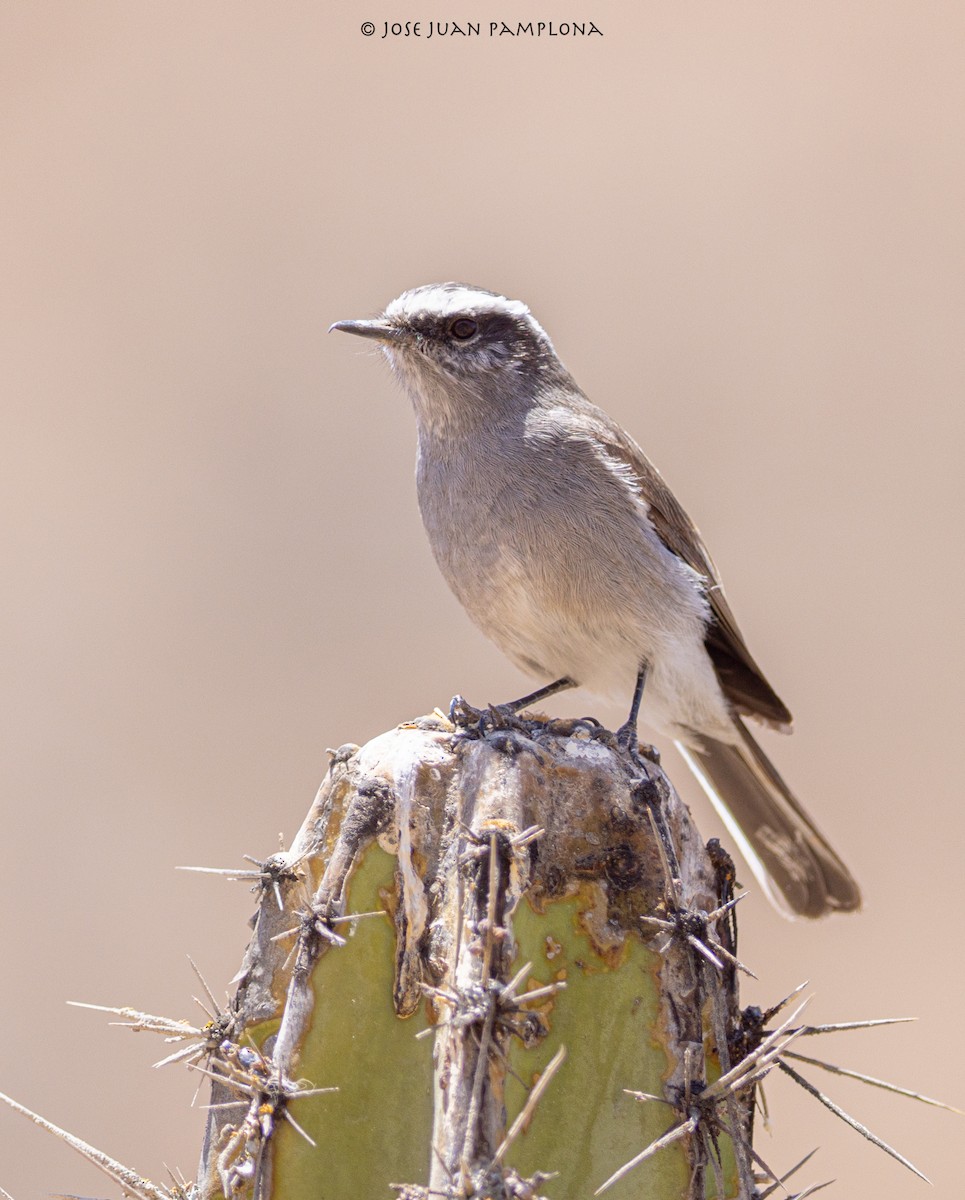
{"x":793,"y":862}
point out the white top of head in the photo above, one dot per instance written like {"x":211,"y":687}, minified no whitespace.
{"x":450,"y":299}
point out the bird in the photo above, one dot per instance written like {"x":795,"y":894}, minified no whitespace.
{"x":569,"y":551}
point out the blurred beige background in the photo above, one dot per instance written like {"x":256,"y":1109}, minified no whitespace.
{"x":742,"y":224}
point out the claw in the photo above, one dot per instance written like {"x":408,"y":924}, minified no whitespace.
{"x":567,"y":726}
{"x":462,"y":714}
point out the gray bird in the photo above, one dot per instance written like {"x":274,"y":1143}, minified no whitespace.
{"x":565,"y":546}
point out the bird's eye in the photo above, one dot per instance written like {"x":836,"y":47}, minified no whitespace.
{"x":462,"y":329}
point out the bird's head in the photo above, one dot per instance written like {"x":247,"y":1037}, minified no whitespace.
{"x":461,"y":351}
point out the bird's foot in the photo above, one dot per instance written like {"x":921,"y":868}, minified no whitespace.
{"x":497,"y":723}
{"x":640,"y":753}
{"x":463,"y":715}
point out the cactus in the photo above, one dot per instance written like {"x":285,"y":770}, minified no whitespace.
{"x":550,"y":908}
{"x":497,"y":961}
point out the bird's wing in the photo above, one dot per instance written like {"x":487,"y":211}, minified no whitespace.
{"x":740,"y":677}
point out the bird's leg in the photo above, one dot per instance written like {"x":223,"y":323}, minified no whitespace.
{"x":647,"y":789}
{"x":543,"y":693}
{"x":497,"y":716}
{"x":627,"y":733}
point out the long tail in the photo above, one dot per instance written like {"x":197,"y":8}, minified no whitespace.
{"x":798,"y":870}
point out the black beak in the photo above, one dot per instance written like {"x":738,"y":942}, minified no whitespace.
{"x":381,"y":331}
